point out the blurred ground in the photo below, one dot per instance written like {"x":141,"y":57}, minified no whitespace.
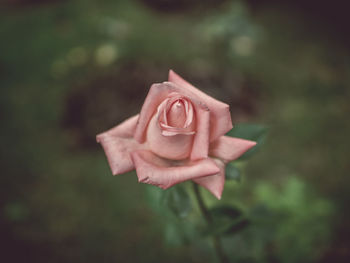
{"x":71,"y":69}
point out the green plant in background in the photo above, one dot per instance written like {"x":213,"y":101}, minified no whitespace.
{"x":289,"y":224}
{"x":298,"y":220}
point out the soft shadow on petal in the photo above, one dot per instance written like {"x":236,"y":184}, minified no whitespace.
{"x":214,"y":183}
{"x":117,"y":143}
{"x":220,"y":117}
{"x":164,"y":173}
{"x":229,"y":148}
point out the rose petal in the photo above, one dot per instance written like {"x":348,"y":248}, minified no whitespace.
{"x":117,"y":143}
{"x":229,"y":148}
{"x":220,"y":117}
{"x":214,"y":183}
{"x":164,"y":173}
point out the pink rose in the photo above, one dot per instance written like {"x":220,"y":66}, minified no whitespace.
{"x":179,"y":135}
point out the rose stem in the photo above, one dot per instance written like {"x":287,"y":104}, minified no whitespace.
{"x":204,"y":210}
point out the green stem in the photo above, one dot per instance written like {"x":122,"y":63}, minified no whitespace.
{"x":216,"y":239}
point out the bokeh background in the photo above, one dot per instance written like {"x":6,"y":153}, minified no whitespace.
{"x":71,"y":69}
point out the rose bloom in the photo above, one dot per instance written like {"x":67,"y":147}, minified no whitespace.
{"x":179,"y":135}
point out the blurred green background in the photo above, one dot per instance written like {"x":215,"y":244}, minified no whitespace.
{"x":71,"y":69}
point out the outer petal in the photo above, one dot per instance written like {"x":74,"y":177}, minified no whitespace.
{"x":214,"y":183}
{"x":165,"y":173}
{"x":220,"y":117}
{"x":117,"y":143}
{"x":229,"y":148}
{"x":160,"y":92}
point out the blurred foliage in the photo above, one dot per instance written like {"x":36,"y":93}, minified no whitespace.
{"x":289,"y":224}
{"x":71,"y":69}
{"x":285,"y":223}
{"x":298,"y":221}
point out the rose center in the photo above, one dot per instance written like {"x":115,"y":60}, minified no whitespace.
{"x":177,"y":114}
{"x":171,"y":130}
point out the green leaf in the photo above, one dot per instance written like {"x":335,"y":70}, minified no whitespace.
{"x":178,"y":201}
{"x":226,"y":220}
{"x":248,"y":131}
{"x":232,"y":172}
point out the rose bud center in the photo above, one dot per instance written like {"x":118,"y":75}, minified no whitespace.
{"x":171,"y":130}
{"x":177,"y":114}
